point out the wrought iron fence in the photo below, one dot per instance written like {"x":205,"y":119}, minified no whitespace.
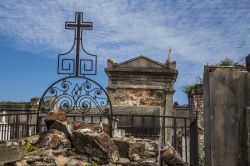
{"x":164,"y":128}
{"x":17,"y":125}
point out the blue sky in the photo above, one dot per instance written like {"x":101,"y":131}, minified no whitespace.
{"x":32,"y":34}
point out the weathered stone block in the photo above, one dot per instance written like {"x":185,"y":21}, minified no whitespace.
{"x":97,"y":145}
{"x":10,"y":152}
{"x":51,"y":117}
{"x":53,"y":139}
{"x":169,"y":156}
{"x":226,"y":94}
{"x":151,"y":147}
{"x":129,"y":147}
{"x":64,"y":127}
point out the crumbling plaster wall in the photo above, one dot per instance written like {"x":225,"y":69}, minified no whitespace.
{"x":227,"y":97}
{"x":196,"y":103}
{"x":138,"y":97}
{"x":142,"y":93}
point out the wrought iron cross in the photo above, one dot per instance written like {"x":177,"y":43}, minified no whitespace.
{"x":77,"y":61}
{"x":78,"y":26}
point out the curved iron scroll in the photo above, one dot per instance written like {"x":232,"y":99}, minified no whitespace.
{"x":76,"y":95}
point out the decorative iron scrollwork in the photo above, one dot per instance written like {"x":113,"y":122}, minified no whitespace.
{"x":75,"y":95}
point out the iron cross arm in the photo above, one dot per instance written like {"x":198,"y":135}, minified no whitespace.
{"x":84,"y":25}
{"x":78,"y":25}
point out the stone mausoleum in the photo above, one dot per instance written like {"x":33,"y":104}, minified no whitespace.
{"x":142,"y":82}
{"x":144,"y":86}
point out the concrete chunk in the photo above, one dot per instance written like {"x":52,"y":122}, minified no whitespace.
{"x":10,"y":152}
{"x":99,"y":146}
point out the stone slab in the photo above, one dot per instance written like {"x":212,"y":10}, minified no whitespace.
{"x":10,"y":152}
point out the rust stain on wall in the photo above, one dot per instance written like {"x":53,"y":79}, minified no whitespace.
{"x":137,"y":97}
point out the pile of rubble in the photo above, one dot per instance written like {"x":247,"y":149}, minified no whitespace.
{"x":77,"y":143}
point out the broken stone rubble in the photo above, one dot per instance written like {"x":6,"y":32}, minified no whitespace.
{"x":53,"y":139}
{"x":97,"y":145}
{"x":64,"y":145}
{"x":169,"y":156}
